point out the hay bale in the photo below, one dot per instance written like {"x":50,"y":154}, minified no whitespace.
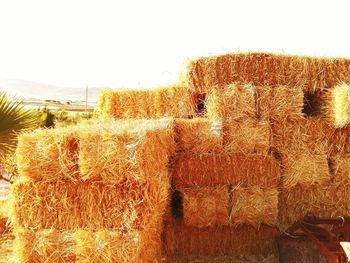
{"x":46,"y":245}
{"x":172,"y":101}
{"x":198,"y":135}
{"x":225,"y":169}
{"x":114,"y":157}
{"x":329,"y":199}
{"x":48,"y":155}
{"x":337,"y":105}
{"x":263,"y":69}
{"x":62,"y":206}
{"x":205,"y":206}
{"x":254,"y":206}
{"x":279,"y":103}
{"x":306,"y":134}
{"x":339,"y":142}
{"x":242,"y":240}
{"x":234,"y":101}
{"x":106,"y":246}
{"x":246,"y":136}
{"x":304,"y":168}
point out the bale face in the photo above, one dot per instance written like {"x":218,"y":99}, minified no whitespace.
{"x":337,"y":105}
{"x":106,"y":246}
{"x":205,"y":206}
{"x":172,"y":101}
{"x":198,"y":135}
{"x":247,"y":136}
{"x":280,"y":103}
{"x":304,"y":168}
{"x":254,"y":206}
{"x":225,"y":169}
{"x":234,"y":101}
{"x":94,"y":206}
{"x":48,"y":154}
{"x":329,"y":199}
{"x":185,"y":240}
{"x":263,"y":69}
{"x":308,"y":134}
{"x":46,"y":245}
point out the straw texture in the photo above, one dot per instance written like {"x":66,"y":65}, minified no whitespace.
{"x":247,"y":136}
{"x":254,"y":206}
{"x":263,"y":69}
{"x":185,"y":240}
{"x":172,"y":101}
{"x":225,"y":169}
{"x":198,"y":135}
{"x":205,"y":206}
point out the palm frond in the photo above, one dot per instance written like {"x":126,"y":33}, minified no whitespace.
{"x":14,"y":118}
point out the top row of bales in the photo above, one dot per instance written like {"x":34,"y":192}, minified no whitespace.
{"x":255,"y":85}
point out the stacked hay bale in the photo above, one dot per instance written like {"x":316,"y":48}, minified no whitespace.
{"x":91,"y":193}
{"x":306,"y":101}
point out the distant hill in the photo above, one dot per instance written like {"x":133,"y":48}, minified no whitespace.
{"x":29,"y":90}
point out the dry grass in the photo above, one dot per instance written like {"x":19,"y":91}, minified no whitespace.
{"x":247,"y":136}
{"x":304,"y":135}
{"x":234,"y":101}
{"x":225,"y":169}
{"x":172,"y":101}
{"x":280,"y":103}
{"x":205,"y":206}
{"x":198,"y":135}
{"x":304,"y":168}
{"x":211,"y":241}
{"x":329,"y":199}
{"x":254,"y":206}
{"x":337,"y":105}
{"x":263,"y":69}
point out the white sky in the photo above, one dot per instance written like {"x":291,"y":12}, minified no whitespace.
{"x":143,"y":43}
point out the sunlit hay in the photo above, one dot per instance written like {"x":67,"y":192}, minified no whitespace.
{"x":94,"y":206}
{"x":46,"y":245}
{"x":254,"y":206}
{"x":172,"y":101}
{"x":205,"y":206}
{"x":225,"y":169}
{"x":337,"y":105}
{"x":234,"y":101}
{"x":307,"y":134}
{"x":263,"y":69}
{"x":329,"y":199}
{"x":125,"y":151}
{"x":198,"y":135}
{"x":106,"y":246}
{"x":280,"y":103}
{"x":246,"y":136}
{"x":6,"y":247}
{"x":48,"y":155}
{"x":185,"y":240}
{"x":304,"y":168}
{"x":340,"y":167}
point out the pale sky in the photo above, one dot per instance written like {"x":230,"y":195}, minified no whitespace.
{"x":73,"y":43}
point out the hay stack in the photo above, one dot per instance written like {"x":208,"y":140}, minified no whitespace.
{"x":337,"y":105}
{"x":172,"y":101}
{"x":198,"y":135}
{"x":128,"y":195}
{"x":225,"y":169}
{"x":263,"y":69}
{"x":246,"y":136}
{"x":254,"y":206}
{"x":205,"y":206}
